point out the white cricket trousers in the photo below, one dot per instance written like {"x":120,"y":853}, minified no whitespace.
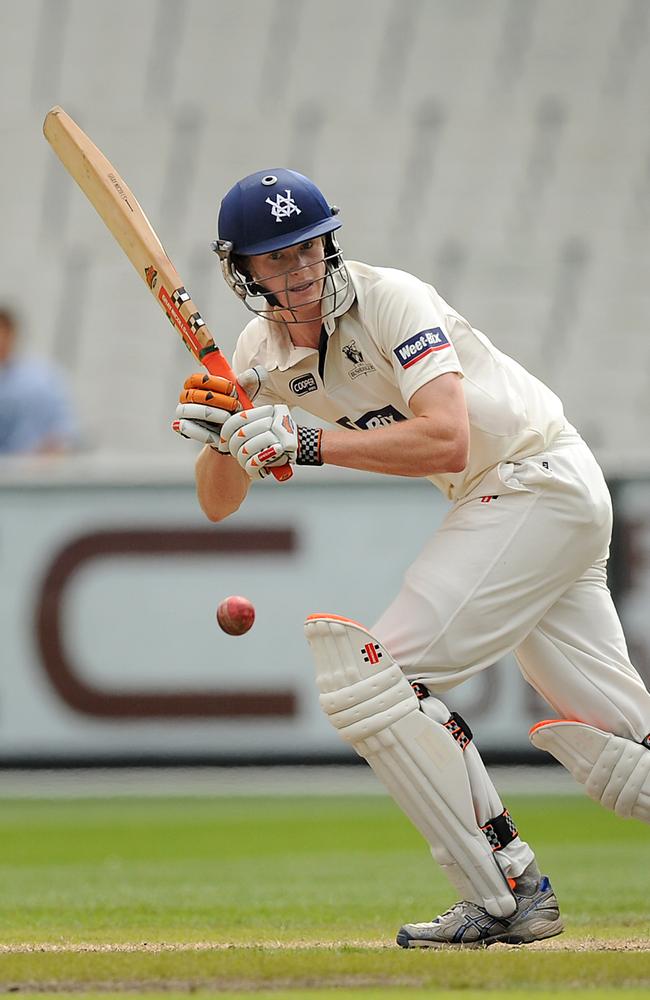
{"x":520,"y":565}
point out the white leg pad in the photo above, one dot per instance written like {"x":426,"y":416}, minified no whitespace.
{"x":369,"y":700}
{"x":615,"y":771}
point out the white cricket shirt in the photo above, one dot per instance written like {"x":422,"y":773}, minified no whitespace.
{"x":390,"y":335}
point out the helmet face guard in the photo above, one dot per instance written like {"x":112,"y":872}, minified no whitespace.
{"x":274,"y":210}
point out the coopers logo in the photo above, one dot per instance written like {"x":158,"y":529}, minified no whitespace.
{"x":420,"y":345}
{"x":303,"y":384}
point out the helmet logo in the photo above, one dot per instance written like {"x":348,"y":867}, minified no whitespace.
{"x":283,"y":208}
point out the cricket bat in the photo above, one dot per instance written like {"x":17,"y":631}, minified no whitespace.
{"x":115,"y":204}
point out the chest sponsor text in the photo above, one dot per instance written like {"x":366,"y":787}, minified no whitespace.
{"x":374,"y":418}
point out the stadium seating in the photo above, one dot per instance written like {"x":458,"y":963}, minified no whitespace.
{"x":498,"y":150}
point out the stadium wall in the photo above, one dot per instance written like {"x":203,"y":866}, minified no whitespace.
{"x":111,"y":652}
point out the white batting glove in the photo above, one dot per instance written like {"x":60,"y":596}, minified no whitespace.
{"x":200,"y":423}
{"x":266,"y":436}
{"x":263,"y":436}
{"x":202,"y":411}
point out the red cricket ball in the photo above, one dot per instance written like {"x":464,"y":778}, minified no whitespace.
{"x":236,"y":615}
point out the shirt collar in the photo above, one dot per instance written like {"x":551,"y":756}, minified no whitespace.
{"x":339,"y":296}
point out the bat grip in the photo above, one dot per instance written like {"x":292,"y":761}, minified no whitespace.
{"x":217,"y":364}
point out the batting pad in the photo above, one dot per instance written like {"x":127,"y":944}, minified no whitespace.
{"x":614,"y":771}
{"x":369,"y":700}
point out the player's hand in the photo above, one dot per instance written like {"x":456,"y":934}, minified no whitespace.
{"x":266,"y":436}
{"x":206,"y":402}
{"x":261,"y":437}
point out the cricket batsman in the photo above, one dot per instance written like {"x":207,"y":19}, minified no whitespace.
{"x":518,"y":565}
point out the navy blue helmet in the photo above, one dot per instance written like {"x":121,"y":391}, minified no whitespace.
{"x":274,"y":209}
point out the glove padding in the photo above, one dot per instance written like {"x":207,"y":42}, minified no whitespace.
{"x":207,"y":401}
{"x":261,"y":438}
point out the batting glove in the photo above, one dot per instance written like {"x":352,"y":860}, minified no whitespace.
{"x":207,"y":401}
{"x":266,"y":436}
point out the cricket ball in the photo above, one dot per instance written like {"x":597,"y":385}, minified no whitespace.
{"x":235,"y":615}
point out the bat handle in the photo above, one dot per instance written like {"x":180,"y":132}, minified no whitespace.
{"x":282,"y":472}
{"x":216,"y":363}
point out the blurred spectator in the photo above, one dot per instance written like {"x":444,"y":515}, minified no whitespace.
{"x":36,"y":416}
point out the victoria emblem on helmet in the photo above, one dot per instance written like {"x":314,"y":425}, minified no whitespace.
{"x":282,"y":207}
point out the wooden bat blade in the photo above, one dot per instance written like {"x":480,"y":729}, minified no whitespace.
{"x":102,"y":185}
{"x":119,"y":209}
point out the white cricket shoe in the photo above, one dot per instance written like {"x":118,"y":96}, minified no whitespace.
{"x":468,"y":925}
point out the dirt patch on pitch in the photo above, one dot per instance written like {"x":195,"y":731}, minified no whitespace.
{"x":157,"y":947}
{"x":579,"y":944}
{"x":588,"y":944}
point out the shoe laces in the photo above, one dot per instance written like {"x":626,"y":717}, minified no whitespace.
{"x":452,"y":909}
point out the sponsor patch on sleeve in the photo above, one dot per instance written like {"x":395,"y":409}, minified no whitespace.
{"x":420,"y":345}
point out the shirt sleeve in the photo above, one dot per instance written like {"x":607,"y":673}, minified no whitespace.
{"x":62,"y":422}
{"x":52,"y":421}
{"x":243,"y":359}
{"x":413,"y":331}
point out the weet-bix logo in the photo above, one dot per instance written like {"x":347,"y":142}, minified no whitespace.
{"x":421,"y":344}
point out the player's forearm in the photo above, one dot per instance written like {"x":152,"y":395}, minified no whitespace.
{"x":221,"y":484}
{"x":415,"y":447}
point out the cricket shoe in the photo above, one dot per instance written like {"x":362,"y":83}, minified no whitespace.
{"x":468,"y":925}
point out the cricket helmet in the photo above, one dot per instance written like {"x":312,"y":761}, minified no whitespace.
{"x":272,"y":210}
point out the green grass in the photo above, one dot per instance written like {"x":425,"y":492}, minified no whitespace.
{"x":306,"y":892}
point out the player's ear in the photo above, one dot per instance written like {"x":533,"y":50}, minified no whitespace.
{"x":244,"y":265}
{"x":241,"y":264}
